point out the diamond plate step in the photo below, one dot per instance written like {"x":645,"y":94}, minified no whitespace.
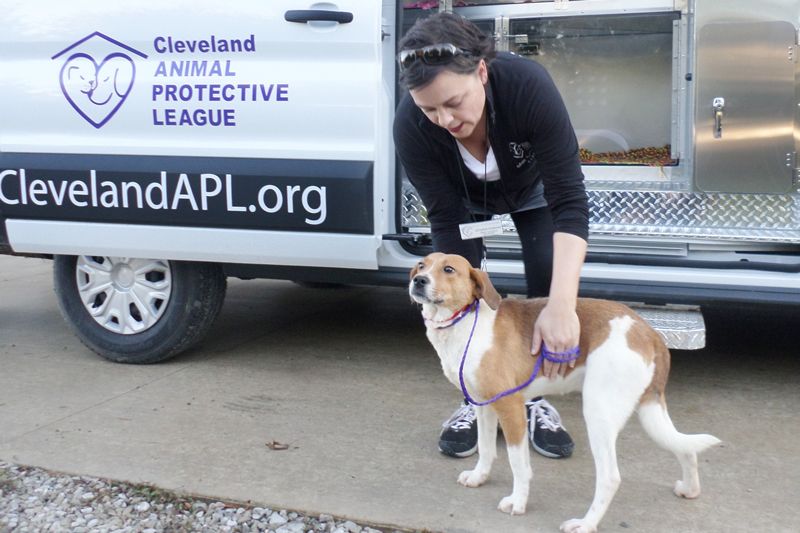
{"x":682,"y":328}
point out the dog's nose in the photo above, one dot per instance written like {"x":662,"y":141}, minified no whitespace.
{"x":420,"y":281}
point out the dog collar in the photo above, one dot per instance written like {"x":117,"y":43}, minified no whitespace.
{"x":454,"y":318}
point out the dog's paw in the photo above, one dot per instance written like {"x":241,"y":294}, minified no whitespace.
{"x":472,"y":478}
{"x":684,"y":491}
{"x":577,"y":525}
{"x":511,"y":505}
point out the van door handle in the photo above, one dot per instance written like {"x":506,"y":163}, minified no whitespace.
{"x":718,"y":105}
{"x":308,"y":15}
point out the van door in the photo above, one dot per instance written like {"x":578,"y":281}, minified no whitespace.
{"x":241,"y":132}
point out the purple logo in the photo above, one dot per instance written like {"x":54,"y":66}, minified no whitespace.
{"x":97,"y":76}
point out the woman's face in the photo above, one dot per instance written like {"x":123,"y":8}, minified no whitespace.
{"x":454,"y":101}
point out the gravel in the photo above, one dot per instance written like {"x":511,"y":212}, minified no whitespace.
{"x":34,"y":500}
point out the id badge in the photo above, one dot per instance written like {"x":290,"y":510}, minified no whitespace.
{"x":476,"y":230}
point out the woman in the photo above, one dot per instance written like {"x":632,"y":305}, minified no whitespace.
{"x":483,"y":133}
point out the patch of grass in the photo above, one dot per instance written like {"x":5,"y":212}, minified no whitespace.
{"x":159,"y":496}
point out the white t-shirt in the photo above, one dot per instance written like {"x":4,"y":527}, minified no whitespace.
{"x":488,"y":171}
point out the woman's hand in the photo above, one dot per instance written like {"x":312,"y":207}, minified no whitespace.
{"x":558,"y":327}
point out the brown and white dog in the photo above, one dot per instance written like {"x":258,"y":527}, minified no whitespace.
{"x":623,"y":366}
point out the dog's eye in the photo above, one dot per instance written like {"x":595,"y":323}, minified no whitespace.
{"x":449,"y":270}
{"x":420,"y":265}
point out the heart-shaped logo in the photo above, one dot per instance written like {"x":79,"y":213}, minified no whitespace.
{"x":96,"y":91}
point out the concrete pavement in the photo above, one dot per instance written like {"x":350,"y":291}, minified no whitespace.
{"x":348,"y":380}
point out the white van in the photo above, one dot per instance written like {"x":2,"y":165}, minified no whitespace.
{"x":154,"y":148}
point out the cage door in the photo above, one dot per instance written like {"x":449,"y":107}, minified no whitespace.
{"x":744,"y":109}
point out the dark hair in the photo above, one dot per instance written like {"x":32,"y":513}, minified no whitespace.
{"x":444,"y":28}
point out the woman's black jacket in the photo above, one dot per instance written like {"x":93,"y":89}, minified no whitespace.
{"x":533,"y":141}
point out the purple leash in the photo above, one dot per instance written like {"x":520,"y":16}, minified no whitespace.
{"x":555,"y":357}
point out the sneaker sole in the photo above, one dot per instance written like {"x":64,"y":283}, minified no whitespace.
{"x":551,"y":455}
{"x":460,"y":455}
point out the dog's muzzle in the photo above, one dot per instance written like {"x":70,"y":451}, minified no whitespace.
{"x":418,"y":288}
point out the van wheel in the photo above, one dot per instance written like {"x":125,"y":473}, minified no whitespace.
{"x":137,"y":310}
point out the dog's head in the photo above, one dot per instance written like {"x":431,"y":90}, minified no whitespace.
{"x":449,"y":281}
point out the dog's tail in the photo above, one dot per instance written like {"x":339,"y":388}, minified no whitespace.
{"x":657,"y":423}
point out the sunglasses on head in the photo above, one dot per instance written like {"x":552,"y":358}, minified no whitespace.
{"x":434,"y":54}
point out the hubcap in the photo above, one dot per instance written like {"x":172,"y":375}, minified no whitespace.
{"x":124,"y":295}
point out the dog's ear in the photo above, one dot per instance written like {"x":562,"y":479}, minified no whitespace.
{"x":484,"y":288}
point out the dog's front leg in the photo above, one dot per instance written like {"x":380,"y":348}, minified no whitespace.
{"x":511,"y":412}
{"x":487,"y":448}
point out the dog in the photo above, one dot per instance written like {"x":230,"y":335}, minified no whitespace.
{"x":484,"y":343}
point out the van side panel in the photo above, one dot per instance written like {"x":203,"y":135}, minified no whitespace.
{"x":177,"y":116}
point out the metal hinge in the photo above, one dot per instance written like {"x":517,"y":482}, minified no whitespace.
{"x":793,"y":48}
{"x":792,"y":163}
{"x":501,"y":25}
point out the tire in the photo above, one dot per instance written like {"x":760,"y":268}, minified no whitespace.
{"x":137,"y":311}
